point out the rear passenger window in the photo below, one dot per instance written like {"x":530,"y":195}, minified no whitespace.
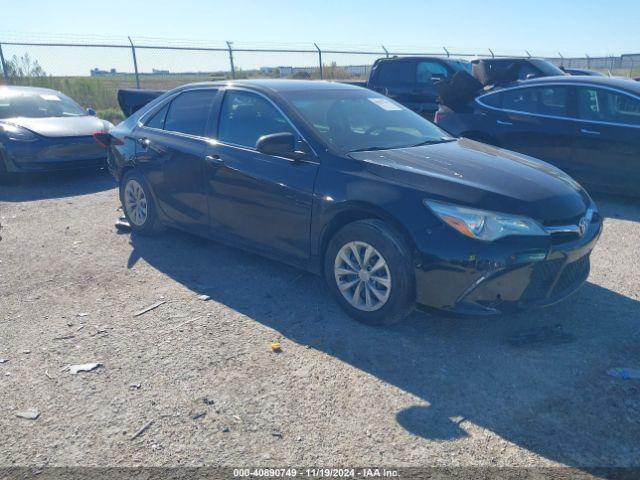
{"x":189,"y":112}
{"x":157,"y":119}
{"x":607,"y":106}
{"x":396,"y":73}
{"x":551,"y":100}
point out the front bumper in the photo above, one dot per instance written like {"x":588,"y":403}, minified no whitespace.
{"x":457,"y":274}
{"x":50,"y":154}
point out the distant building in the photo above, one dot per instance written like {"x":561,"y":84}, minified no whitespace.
{"x":96,"y":72}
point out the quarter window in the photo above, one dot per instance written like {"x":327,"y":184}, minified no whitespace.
{"x":245,"y":117}
{"x":547,"y":100}
{"x":606,"y":106}
{"x":157,"y":119}
{"x":189,"y":113}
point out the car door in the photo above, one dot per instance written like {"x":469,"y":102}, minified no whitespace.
{"x":171,"y":149}
{"x":535,"y":121}
{"x":608,"y":138}
{"x":258,"y":200}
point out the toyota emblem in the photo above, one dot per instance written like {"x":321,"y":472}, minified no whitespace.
{"x":583,"y":224}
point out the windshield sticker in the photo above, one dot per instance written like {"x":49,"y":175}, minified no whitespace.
{"x":49,"y":97}
{"x":384,"y":103}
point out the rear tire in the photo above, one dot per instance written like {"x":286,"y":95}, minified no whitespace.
{"x":138,"y":204}
{"x":368,"y":269}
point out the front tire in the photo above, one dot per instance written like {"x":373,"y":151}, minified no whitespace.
{"x":367,"y":267}
{"x":138,"y":204}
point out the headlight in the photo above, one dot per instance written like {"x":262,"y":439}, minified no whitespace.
{"x":482,"y":224}
{"x":20,"y":134}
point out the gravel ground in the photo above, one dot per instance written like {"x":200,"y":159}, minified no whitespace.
{"x":201,"y":376}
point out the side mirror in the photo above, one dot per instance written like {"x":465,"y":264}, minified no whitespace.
{"x":279,"y":144}
{"x":91,"y":112}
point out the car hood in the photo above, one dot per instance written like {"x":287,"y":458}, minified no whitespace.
{"x":482,"y":176}
{"x":59,"y":126}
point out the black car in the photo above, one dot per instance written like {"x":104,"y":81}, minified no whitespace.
{"x":411,"y":80}
{"x":344,"y":182}
{"x":43,"y":130}
{"x":582,"y":71}
{"x":587,"y":126}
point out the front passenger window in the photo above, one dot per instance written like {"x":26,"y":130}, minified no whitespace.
{"x":429,"y":72}
{"x":245,"y":117}
{"x":607,"y":106}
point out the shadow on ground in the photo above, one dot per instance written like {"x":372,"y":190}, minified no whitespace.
{"x":537,"y":379}
{"x":24,"y":188}
{"x":614,"y":206}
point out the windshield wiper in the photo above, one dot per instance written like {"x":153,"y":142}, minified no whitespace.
{"x":432,"y":142}
{"x":370,"y":149}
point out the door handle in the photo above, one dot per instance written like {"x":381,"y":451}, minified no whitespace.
{"x":589,"y":132}
{"x":144,"y":142}
{"x":502,"y":122}
{"x":214,"y":160}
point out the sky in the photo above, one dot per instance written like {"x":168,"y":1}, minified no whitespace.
{"x":541,"y":27}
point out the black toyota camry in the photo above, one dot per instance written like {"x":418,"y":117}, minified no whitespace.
{"x":43,"y":130}
{"x":346,"y":183}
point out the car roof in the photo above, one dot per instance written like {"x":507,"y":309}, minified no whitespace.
{"x":276,"y":85}
{"x":419,"y":57}
{"x":16,"y":88}
{"x":611,"y":82}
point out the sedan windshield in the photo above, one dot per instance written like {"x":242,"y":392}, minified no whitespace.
{"x":37,"y":104}
{"x":359,"y":120}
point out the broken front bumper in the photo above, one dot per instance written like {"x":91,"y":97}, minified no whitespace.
{"x":461,"y":275}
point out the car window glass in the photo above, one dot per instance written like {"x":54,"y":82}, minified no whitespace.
{"x":189,"y":112}
{"x":245,"y":117}
{"x":526,"y":70}
{"x":607,"y":106}
{"x":493,"y":100}
{"x":37,"y":104}
{"x":547,"y":100}
{"x":353,"y":119}
{"x":428,"y":72}
{"x":157,"y":119}
{"x":395,"y":73}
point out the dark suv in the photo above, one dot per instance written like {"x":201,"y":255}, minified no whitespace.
{"x":411,"y":80}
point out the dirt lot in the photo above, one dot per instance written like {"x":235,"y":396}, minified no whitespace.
{"x":530,"y":389}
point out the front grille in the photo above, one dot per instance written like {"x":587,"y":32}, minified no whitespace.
{"x":541,"y":279}
{"x":573,"y":274}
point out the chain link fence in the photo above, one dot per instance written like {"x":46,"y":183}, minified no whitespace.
{"x":92,"y":69}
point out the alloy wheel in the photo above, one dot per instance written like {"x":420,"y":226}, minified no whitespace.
{"x":362,"y":276}
{"x":135,"y":202}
